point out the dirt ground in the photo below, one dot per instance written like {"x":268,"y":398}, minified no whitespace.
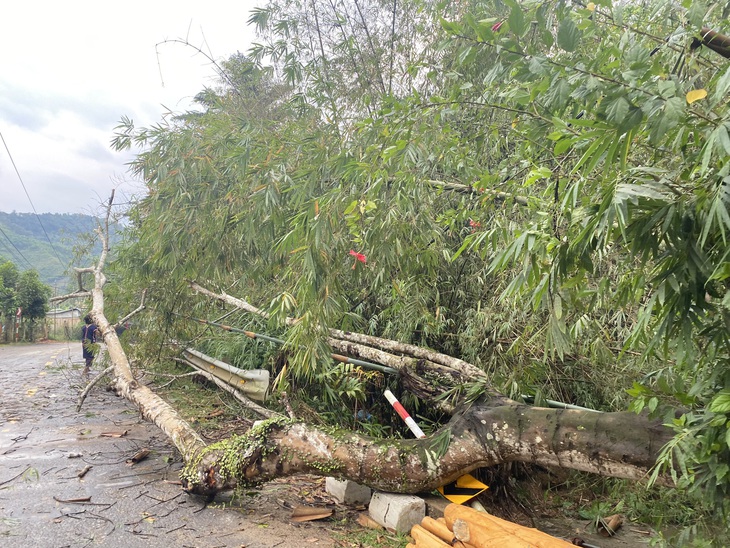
{"x":66,"y":479}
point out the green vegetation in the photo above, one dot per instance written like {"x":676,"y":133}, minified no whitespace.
{"x":25,"y":291}
{"x":539,"y":188}
{"x":28,"y":246}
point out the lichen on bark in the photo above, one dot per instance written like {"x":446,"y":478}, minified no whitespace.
{"x":222,"y":465}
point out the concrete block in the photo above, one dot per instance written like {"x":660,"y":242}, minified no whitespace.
{"x":397,"y":512}
{"x":347,"y":492}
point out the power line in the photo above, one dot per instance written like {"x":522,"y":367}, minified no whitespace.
{"x":31,"y":204}
{"x":16,"y":249}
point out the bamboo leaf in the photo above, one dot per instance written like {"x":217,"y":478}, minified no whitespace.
{"x":563,"y":144}
{"x":721,"y":87}
{"x":723,"y":139}
{"x":593,"y":154}
{"x":634,"y":191}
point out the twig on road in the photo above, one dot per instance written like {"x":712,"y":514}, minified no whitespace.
{"x":14,"y":477}
{"x":22,"y":438}
{"x":91,"y":385}
{"x":84,"y":471}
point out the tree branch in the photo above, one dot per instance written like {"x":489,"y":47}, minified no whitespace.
{"x":134,"y":312}
{"x":150,"y":405}
{"x":94,"y":382}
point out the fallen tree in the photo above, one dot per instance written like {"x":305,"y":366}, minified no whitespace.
{"x":488,"y":431}
{"x":150,"y":405}
{"x":611,"y":444}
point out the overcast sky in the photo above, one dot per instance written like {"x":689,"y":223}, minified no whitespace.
{"x":70,"y":70}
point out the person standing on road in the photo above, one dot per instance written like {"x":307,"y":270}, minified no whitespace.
{"x":88,"y":339}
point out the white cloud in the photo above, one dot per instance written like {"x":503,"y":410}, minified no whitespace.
{"x":70,"y":70}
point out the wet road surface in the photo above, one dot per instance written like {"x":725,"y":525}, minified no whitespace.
{"x":64,"y":476}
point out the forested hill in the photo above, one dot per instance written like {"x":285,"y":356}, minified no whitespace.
{"x":24,"y":242}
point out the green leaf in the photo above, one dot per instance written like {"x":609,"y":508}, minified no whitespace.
{"x":666,"y":118}
{"x":569,"y":35}
{"x":721,"y":87}
{"x":558,"y":306}
{"x":667,"y":88}
{"x":674,"y":110}
{"x":721,"y":402}
{"x":723,"y":140}
{"x":450,"y":26}
{"x":594,"y":153}
{"x":563,"y":145}
{"x":537,"y":65}
{"x":537,"y":174}
{"x":697,"y":13}
{"x":350,"y":208}
{"x":648,"y":191}
{"x":558,"y":94}
{"x":632,"y":120}
{"x":653,"y":403}
{"x":466,"y":55}
{"x":637,"y":390}
{"x":617,"y":109}
{"x":721,"y":472}
{"x":707,"y":152}
{"x":637,"y":57}
{"x":483,"y":29}
{"x":516,"y":20}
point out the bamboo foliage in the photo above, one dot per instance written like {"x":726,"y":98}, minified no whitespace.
{"x":610,"y":273}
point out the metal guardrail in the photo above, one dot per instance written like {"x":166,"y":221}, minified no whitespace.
{"x":253,"y":383}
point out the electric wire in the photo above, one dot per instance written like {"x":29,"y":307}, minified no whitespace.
{"x":31,"y":203}
{"x":16,"y":249}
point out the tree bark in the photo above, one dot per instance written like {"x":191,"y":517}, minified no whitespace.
{"x":620,"y":445}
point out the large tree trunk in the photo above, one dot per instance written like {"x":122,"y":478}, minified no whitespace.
{"x":620,"y":445}
{"x":491,"y":431}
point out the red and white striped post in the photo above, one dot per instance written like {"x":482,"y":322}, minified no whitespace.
{"x":404,"y":415}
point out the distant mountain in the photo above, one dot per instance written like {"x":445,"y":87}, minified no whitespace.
{"x":45,"y":243}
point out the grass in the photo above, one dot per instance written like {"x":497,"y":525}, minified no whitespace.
{"x":676,"y":517}
{"x":211,"y":411}
{"x":370,"y":538}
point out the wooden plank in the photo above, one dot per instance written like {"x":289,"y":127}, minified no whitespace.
{"x":486,"y":531}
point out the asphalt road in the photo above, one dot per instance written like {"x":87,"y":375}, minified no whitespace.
{"x":64,"y":476}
